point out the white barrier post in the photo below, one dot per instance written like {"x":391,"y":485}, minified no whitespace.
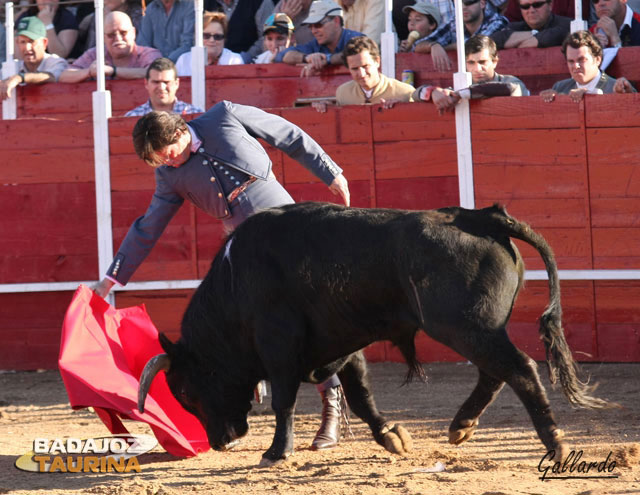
{"x":101,"y":100}
{"x":461,"y":80}
{"x":198,"y":61}
{"x":388,"y":43}
{"x":578,"y":24}
{"x":10,"y":66}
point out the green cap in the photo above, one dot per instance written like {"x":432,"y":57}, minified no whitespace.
{"x":31,"y":27}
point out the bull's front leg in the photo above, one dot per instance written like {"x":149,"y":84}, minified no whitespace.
{"x":283,"y":404}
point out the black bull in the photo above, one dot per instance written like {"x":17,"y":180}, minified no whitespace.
{"x":297,"y":291}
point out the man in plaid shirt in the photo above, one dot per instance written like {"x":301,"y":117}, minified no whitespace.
{"x":162,"y":83}
{"x":477,"y":20}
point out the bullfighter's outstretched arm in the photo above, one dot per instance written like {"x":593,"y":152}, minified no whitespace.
{"x":296,"y":143}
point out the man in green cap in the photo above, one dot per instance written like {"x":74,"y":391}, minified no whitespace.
{"x":36,"y":66}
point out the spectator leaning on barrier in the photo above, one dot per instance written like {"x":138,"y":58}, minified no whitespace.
{"x":168,"y":25}
{"x":245,"y":19}
{"x":617,"y":24}
{"x":60,"y":24}
{"x":214,"y":33}
{"x":298,"y":11}
{"x":277,"y":32}
{"x":162,"y":83}
{"x":583,"y":52}
{"x":477,"y":20}
{"x":481,"y":59}
{"x":330,"y":38}
{"x":364,"y":16}
{"x":124,"y":59}
{"x":423,"y":19}
{"x":540,"y":28}
{"x":368,"y":85}
{"x":36,"y":66}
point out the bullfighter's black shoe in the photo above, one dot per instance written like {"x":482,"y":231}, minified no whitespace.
{"x":328,"y":435}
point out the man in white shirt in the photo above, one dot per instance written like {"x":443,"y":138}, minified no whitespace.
{"x":584,"y":56}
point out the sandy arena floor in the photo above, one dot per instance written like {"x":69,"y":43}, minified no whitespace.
{"x":502,"y":458}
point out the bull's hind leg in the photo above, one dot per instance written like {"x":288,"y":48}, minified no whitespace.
{"x":464,"y":424}
{"x":355,"y":382}
{"x":497,"y":357}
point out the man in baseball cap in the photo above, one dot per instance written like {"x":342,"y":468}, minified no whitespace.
{"x":37,"y":66}
{"x":277,"y":32}
{"x":330,"y":38}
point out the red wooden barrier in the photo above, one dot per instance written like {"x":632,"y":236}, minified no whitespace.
{"x":568,"y":169}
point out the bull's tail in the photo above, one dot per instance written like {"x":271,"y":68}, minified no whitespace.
{"x":558,"y":355}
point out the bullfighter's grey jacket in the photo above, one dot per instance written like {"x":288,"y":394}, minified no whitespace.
{"x":228,"y":133}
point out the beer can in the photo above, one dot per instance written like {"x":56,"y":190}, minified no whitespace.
{"x":407,"y":77}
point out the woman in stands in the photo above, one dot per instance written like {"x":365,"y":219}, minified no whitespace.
{"x":214,"y":33}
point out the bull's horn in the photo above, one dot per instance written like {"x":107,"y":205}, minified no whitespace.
{"x":157,"y":363}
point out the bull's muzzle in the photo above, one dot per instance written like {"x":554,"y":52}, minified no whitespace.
{"x":158,"y":363}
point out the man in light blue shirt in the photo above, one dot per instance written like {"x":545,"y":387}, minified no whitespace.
{"x":168,"y":25}
{"x":330,"y":38}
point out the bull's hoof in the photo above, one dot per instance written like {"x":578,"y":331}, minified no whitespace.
{"x":396,"y":439}
{"x":560,"y":450}
{"x":265,"y":462}
{"x":464,"y":432}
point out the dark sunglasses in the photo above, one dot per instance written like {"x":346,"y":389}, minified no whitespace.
{"x":469,"y":2}
{"x":318,"y":25}
{"x":209,"y":36}
{"x":535,"y":5}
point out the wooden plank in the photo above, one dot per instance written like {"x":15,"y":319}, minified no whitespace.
{"x":40,"y":134}
{"x":352,"y":123}
{"x":626,"y":64}
{"x":503,"y":183}
{"x":603,"y":112}
{"x":618,"y":315}
{"x":524,"y":113}
{"x":396,"y":160}
{"x":614,"y":159}
{"x":129,"y":173}
{"x":322,"y":128}
{"x":47,"y":166}
{"x":419,"y":193}
{"x":412,"y":121}
{"x":616,"y":248}
{"x":615,"y":212}
{"x":544,"y":147}
{"x":615,"y":180}
{"x":565,"y":212}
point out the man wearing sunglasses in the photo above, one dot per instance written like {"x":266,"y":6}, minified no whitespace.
{"x":540,"y":27}
{"x":477,"y":21}
{"x":617,"y":24}
{"x":124,"y":58}
{"x":330,"y":38}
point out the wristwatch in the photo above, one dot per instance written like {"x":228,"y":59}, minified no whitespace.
{"x":329,"y":58}
{"x":49,"y":26}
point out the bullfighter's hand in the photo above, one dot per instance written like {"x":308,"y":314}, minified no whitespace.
{"x":622,"y":85}
{"x":577,"y":94}
{"x":441,"y":60}
{"x":341,"y":187}
{"x":548,"y":95}
{"x":103,"y":287}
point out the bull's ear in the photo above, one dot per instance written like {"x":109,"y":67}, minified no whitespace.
{"x":167,"y":345}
